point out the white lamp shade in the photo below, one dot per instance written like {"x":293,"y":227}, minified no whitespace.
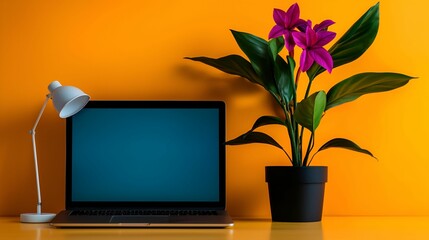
{"x":67,"y":100}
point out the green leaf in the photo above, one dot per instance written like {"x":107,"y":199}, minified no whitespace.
{"x":255,"y":48}
{"x":254,"y":137}
{"x":364,"y":83}
{"x":283,"y":74}
{"x":276,"y":45}
{"x":292,"y":65}
{"x":267,"y":120}
{"x":232,"y":64}
{"x":309,"y":111}
{"x":260,"y":56}
{"x":346,"y":144}
{"x":354,"y":42}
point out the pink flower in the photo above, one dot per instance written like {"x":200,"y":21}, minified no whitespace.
{"x":286,"y":24}
{"x":312,"y":42}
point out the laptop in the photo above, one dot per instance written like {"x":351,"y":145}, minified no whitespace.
{"x":145,"y":164}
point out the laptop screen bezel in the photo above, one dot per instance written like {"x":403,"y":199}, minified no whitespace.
{"x":120,"y":104}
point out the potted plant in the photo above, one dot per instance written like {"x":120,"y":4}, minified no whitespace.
{"x":296,"y":192}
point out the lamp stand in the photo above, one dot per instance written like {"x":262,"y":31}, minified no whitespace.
{"x":37,"y":217}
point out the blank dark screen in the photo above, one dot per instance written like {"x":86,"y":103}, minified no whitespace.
{"x":145,"y":155}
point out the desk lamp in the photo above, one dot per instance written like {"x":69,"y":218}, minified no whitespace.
{"x":67,"y":101}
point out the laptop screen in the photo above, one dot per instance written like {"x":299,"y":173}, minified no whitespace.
{"x":146,"y":153}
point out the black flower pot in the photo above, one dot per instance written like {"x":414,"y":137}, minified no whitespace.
{"x":296,"y":193}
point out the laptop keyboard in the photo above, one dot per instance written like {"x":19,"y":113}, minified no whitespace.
{"x":143,"y":212}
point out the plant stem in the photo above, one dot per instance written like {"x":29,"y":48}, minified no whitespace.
{"x":308,"y":88}
{"x":291,"y":131}
{"x":291,"y":53}
{"x":309,"y":148}
{"x":301,"y":135}
{"x":298,"y":73}
{"x":297,"y":137}
{"x":282,"y":103}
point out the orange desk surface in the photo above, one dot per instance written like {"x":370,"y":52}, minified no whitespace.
{"x":330,"y":228}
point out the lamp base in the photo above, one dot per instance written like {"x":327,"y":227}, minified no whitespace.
{"x":37,"y":218}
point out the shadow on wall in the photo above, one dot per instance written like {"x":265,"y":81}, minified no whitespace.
{"x":214,"y":84}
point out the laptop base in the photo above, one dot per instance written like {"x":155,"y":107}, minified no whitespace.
{"x":64,"y":219}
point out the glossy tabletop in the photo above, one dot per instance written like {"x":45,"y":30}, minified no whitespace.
{"x":330,"y":228}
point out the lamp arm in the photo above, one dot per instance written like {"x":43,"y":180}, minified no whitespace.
{"x":33,"y":138}
{"x":40,"y":114}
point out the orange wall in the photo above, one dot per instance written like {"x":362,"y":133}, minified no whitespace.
{"x":134,"y":50}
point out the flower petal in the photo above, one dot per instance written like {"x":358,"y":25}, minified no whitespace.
{"x":301,"y":25}
{"x":299,"y":39}
{"x":323,"y":58}
{"x":292,"y":15}
{"x":276,"y":31}
{"x":310,"y":35}
{"x":289,"y":41}
{"x":279,"y":17}
{"x":323,"y":25}
{"x":306,"y":60}
{"x":323,"y":38}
